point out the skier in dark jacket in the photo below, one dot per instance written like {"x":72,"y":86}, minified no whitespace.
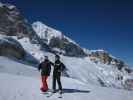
{"x":58,"y":68}
{"x":45,"y":68}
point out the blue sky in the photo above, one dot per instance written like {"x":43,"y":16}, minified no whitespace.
{"x":94,"y":24}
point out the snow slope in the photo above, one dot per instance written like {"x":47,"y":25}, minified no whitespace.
{"x":24,"y":87}
{"x":47,"y":33}
{"x":16,"y":67}
{"x":82,"y":69}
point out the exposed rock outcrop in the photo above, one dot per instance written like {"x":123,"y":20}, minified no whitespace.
{"x":11,"y":48}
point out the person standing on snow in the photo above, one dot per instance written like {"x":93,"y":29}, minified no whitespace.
{"x":58,"y":68}
{"x":45,"y":68}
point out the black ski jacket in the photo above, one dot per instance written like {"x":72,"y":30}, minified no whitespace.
{"x":45,"y":67}
{"x":58,"y":66}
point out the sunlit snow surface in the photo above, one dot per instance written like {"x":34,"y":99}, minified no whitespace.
{"x":25,"y":86}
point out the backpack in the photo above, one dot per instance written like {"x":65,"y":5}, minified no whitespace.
{"x":63,"y":67}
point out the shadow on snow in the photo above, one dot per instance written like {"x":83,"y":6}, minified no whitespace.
{"x":75,"y":91}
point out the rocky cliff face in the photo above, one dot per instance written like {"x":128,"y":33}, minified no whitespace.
{"x":67,"y":48}
{"x":12,"y":23}
{"x":105,"y":58}
{"x":11,"y":48}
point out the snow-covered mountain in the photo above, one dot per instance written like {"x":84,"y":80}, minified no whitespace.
{"x":61,"y":44}
{"x":13,"y":23}
{"x":90,"y":67}
{"x":57,"y":40}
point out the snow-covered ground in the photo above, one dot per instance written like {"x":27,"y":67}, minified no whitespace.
{"x":16,"y":68}
{"x":25,"y":86}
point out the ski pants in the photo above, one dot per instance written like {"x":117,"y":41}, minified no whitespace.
{"x":44,"y":85}
{"x":57,"y":77}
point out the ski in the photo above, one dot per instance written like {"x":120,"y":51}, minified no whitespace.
{"x":45,"y":93}
{"x":60,"y":96}
{"x":50,"y":94}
